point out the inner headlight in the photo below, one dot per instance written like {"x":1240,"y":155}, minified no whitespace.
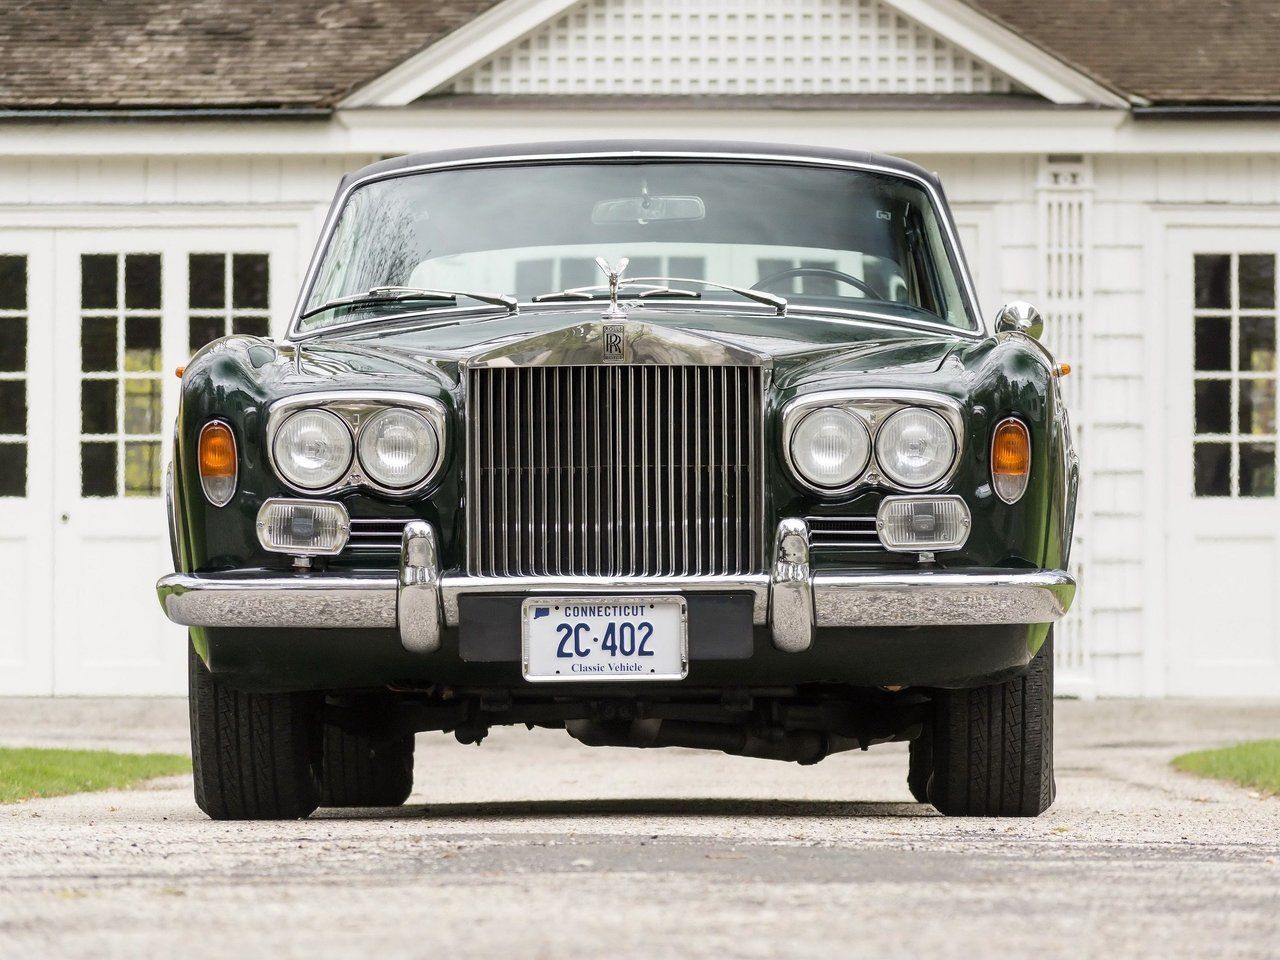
{"x":312,"y":449}
{"x":398,"y":448}
{"x":915,"y":447}
{"x":830,"y":447}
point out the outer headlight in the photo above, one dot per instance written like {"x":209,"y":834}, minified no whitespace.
{"x":398,"y":448}
{"x":312,"y":449}
{"x":830,"y":447}
{"x":915,"y":447}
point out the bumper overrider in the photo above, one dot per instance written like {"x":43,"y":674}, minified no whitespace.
{"x":793,"y":599}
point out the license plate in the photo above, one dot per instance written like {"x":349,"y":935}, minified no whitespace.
{"x":605,"y":638}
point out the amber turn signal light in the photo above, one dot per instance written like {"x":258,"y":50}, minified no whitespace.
{"x":218,"y":464}
{"x":1010,"y":460}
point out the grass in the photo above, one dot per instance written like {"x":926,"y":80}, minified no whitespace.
{"x":29,"y":773}
{"x":1255,"y":764}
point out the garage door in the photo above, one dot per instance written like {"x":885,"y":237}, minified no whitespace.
{"x":1223,"y":516}
{"x":85,"y":533}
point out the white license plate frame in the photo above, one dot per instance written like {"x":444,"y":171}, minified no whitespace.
{"x":671,"y":659}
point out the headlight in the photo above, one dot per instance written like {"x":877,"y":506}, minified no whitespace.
{"x":830,"y":447}
{"x":915,"y":447}
{"x":312,"y":449}
{"x":398,"y":448}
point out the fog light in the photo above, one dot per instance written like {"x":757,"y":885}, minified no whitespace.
{"x":303,"y":528}
{"x":923,"y":523}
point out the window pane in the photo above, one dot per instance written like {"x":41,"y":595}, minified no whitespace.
{"x":13,"y":406}
{"x":534,"y":277}
{"x":98,"y":280}
{"x":253,"y":326}
{"x":579,"y":273}
{"x":1257,"y":280}
{"x":1257,"y":407}
{"x":13,"y":282}
{"x":644,"y":267}
{"x":142,"y":281}
{"x":142,"y":469}
{"x":142,"y":344}
{"x":13,"y":344}
{"x":141,"y":407}
{"x":1257,"y":343}
{"x":767,"y":268}
{"x":1213,"y":406}
{"x":820,"y":286}
{"x":97,"y":469}
{"x":249,"y":281}
{"x":692,"y":268}
{"x":1257,"y":470}
{"x":1213,"y":469}
{"x":1213,"y":343}
{"x":98,"y":406}
{"x":98,"y":343}
{"x":1213,"y":281}
{"x":202,"y":330}
{"x":207,"y":280}
{"x":13,"y":469}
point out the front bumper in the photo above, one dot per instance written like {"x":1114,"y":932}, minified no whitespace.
{"x":793,"y":600}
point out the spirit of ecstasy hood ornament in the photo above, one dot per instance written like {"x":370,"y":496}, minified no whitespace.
{"x":614,"y":274}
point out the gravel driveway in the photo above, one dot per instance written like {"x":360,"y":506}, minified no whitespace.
{"x":534,"y":846}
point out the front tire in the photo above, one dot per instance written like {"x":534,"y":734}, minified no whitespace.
{"x":366,"y":769}
{"x":920,"y":765}
{"x":993,"y":746}
{"x":255,"y":756}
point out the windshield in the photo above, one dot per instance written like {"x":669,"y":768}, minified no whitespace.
{"x":820,"y":237}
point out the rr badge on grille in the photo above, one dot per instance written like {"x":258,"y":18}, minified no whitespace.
{"x":614,"y":338}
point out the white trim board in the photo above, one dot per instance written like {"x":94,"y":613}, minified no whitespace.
{"x":508,"y":21}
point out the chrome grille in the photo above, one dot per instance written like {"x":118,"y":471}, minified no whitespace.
{"x":631,"y":470}
{"x":375,"y":535}
{"x":846,"y":533}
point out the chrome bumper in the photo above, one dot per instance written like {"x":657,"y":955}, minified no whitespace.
{"x":792,"y":599}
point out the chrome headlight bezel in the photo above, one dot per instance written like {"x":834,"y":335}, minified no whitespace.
{"x":873,"y":407}
{"x":355,"y":408}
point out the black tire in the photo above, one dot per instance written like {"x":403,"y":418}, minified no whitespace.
{"x":366,"y":770}
{"x":993,"y":746}
{"x":920,"y":766}
{"x":255,"y":756}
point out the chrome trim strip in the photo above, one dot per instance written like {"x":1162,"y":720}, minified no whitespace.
{"x":873,"y":407}
{"x":418,"y":592}
{"x":355,"y":408}
{"x":791,"y":616}
{"x":941,"y":598}
{"x":280,"y":600}
{"x":941,"y":210}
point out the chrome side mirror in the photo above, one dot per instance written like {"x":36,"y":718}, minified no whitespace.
{"x":1019,"y":316}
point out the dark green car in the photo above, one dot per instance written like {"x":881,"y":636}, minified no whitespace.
{"x":663,"y":444}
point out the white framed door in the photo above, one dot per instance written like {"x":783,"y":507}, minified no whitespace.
{"x":1223,"y":504}
{"x":26,"y":461}
{"x":131,"y":306}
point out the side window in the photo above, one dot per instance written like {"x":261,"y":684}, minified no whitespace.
{"x":1234,"y":375}
{"x":120,"y":379}
{"x":13,"y":375}
{"x":227,"y":293}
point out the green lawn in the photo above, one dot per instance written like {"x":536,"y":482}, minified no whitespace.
{"x":27,"y":773}
{"x":1255,"y":764}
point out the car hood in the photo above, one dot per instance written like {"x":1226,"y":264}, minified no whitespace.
{"x":799,"y":347}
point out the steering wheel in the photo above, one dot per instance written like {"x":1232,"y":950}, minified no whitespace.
{"x":839,"y":275}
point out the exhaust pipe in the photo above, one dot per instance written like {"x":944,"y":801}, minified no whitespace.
{"x":796,"y":746}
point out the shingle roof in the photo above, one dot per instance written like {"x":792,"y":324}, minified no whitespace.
{"x":145,"y":54}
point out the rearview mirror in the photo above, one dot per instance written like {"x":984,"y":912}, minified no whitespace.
{"x":647,"y":209}
{"x":1018,"y":316}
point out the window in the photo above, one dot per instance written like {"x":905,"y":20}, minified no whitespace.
{"x":1235,"y":375}
{"x":227,"y":293}
{"x":13,"y":375}
{"x":121,"y":413}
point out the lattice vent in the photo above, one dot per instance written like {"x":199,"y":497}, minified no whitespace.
{"x":732,"y":47}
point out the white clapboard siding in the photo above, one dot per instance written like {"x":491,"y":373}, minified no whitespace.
{"x":732,"y":47}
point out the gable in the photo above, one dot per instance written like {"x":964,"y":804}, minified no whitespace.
{"x":732,"y":47}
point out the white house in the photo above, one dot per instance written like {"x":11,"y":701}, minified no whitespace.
{"x":164,"y":167}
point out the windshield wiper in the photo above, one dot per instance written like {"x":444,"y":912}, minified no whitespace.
{"x":657,"y":287}
{"x":375,"y":295}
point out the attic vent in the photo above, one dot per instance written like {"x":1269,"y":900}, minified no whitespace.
{"x":732,"y":47}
